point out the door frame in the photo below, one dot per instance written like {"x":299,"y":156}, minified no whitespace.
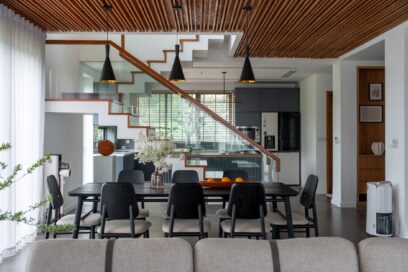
{"x":329,"y":142}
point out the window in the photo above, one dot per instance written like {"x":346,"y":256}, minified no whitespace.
{"x":174,"y":117}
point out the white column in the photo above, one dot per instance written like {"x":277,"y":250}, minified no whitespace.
{"x":396,"y":129}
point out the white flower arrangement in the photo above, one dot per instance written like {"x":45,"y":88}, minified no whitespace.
{"x":155,"y":151}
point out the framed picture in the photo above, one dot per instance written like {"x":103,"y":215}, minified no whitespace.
{"x":375,"y":91}
{"x":371,"y":114}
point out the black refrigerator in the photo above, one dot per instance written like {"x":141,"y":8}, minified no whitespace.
{"x":289,"y":131}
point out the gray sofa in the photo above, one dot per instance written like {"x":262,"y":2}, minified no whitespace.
{"x":226,"y":255}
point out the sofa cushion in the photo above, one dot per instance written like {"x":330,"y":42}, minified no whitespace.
{"x":161,"y":254}
{"x":66,"y":255}
{"x":383,"y":254}
{"x":312,"y":254}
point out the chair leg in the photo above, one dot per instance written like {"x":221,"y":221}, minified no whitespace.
{"x":275,"y":233}
{"x":307,"y":232}
{"x":92,"y":233}
{"x":219,"y":229}
{"x":146,"y":234}
{"x":316,"y":231}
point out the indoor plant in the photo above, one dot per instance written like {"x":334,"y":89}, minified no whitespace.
{"x":155,"y":151}
{"x":24,"y":216}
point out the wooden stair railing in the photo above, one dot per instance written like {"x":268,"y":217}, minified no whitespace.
{"x":172,"y":87}
{"x":165,"y":51}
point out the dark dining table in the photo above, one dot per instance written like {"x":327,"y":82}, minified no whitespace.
{"x":90,"y":192}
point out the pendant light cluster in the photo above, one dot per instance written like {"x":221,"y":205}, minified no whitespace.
{"x":176,"y":74}
{"x":107,"y":74}
{"x":247,"y":74}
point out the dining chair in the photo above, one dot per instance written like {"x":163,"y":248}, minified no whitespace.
{"x":232,"y":174}
{"x":186,"y":212}
{"x":247,"y":210}
{"x":301,"y":222}
{"x":185,"y":176}
{"x":135,"y":177}
{"x":120,"y":211}
{"x":88,"y":222}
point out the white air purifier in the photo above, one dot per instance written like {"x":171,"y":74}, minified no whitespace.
{"x":379,"y":209}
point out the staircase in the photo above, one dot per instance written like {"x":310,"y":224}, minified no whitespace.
{"x":109,"y":112}
{"x":237,"y":147}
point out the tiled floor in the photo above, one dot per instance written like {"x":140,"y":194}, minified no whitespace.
{"x":347,"y":223}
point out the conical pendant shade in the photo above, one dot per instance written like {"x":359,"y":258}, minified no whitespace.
{"x":107,"y":74}
{"x":176,"y":74}
{"x":247,"y":75}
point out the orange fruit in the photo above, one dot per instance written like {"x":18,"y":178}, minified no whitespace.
{"x":225,"y":179}
{"x":210,"y":180}
{"x":239,"y":179}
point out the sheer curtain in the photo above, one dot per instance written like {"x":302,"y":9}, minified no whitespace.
{"x":21,"y":119}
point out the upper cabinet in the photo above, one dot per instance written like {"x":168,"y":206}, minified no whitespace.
{"x":247,"y":100}
{"x":289,"y":100}
{"x":267,"y":99}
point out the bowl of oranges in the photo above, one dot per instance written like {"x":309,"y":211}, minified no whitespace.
{"x":221,"y":183}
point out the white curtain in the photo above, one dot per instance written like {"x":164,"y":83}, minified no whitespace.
{"x":21,"y":119}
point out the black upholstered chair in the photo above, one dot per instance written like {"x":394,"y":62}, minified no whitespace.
{"x":185,"y":176}
{"x":186,"y":212}
{"x":247,"y":210}
{"x":135,"y":177}
{"x":301,"y":222}
{"x":88,"y":222}
{"x":120,"y":211}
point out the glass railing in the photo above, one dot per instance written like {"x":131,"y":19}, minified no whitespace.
{"x":203,"y":139}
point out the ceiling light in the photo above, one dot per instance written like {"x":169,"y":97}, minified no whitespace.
{"x":176,"y":74}
{"x":247,"y":74}
{"x":107,"y":74}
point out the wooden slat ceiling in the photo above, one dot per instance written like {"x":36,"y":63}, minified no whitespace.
{"x":277,"y":28}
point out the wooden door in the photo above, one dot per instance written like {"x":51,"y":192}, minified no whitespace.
{"x":329,"y":142}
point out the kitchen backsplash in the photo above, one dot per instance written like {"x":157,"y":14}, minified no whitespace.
{"x":125,"y":144}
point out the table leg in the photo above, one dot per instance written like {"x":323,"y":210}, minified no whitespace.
{"x":77,"y":217}
{"x":288,"y":213}
{"x":274,"y":204}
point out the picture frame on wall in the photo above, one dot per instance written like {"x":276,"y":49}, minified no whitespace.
{"x":375,"y":91}
{"x":371,"y":114}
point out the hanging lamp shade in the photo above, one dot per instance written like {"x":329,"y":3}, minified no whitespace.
{"x":107,"y":74}
{"x":247,"y":74}
{"x":176,"y":74}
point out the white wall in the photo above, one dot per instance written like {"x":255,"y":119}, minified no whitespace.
{"x":345,"y":117}
{"x":396,"y":128}
{"x":62,"y":73}
{"x":63,"y":135}
{"x":313,"y":128}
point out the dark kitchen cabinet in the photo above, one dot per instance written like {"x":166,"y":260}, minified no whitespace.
{"x":250,"y":102}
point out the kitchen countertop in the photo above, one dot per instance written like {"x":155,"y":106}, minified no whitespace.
{"x":117,"y":153}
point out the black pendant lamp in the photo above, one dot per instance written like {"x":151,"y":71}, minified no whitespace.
{"x":176,"y":74}
{"x":107,"y":74}
{"x":247,"y":74}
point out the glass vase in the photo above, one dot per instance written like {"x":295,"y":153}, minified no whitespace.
{"x":157,"y":180}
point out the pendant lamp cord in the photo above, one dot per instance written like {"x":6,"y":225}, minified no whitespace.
{"x":247,"y":8}
{"x":176,"y":8}
{"x":107,"y":9}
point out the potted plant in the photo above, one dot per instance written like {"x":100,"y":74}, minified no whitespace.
{"x":155,"y":151}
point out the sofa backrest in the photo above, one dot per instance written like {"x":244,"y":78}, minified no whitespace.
{"x":239,"y":255}
{"x":383,"y":254}
{"x":160,"y":255}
